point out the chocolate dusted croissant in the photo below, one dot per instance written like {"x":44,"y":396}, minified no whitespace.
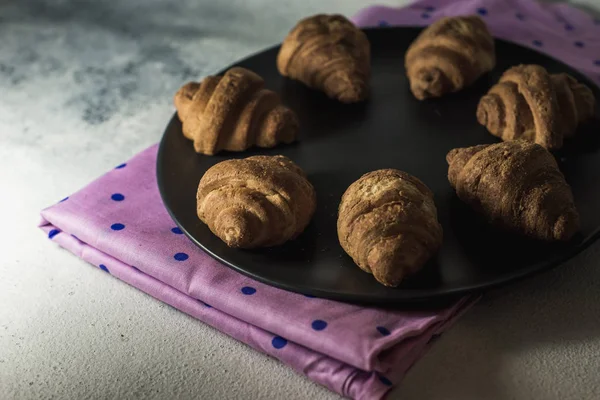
{"x":449,"y":55}
{"x":328,"y":53}
{"x":387,"y":222}
{"x":233,"y":112}
{"x":516,"y":186}
{"x":259,"y":201}
{"x":531,"y":104}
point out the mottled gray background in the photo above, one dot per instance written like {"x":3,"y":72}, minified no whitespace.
{"x":84,"y":85}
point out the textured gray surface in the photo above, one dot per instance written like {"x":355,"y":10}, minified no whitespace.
{"x":84,"y":86}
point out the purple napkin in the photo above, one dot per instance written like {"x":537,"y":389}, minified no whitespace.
{"x":118,"y":223}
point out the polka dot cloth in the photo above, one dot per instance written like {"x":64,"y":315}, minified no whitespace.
{"x":153,"y":255}
{"x":335,"y":344}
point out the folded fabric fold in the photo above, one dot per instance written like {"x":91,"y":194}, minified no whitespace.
{"x":119,"y":224}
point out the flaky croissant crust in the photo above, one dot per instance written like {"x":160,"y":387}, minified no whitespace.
{"x":387,"y":222}
{"x":259,"y":201}
{"x":233,"y":112}
{"x":328,"y":53}
{"x":449,"y":55}
{"x":516,"y":185}
{"x":531,"y":104}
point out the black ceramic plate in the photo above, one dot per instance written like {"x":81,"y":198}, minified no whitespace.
{"x":338,"y":143}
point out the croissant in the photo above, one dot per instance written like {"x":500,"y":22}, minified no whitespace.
{"x":387,"y":222}
{"x":449,"y":55}
{"x":233,"y":112}
{"x":259,"y":201}
{"x":531,"y":104}
{"x":517,"y":186}
{"x":328,"y":53}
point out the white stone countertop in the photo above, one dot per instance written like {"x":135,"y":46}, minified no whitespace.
{"x":84,"y":85}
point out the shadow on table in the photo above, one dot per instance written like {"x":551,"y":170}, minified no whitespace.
{"x":544,"y":313}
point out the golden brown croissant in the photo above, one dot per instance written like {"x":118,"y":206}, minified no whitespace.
{"x":258,"y":201}
{"x":517,"y":186}
{"x":328,"y":53}
{"x":233,"y":112}
{"x":529,"y":103}
{"x":449,"y":55}
{"x":387,"y":223}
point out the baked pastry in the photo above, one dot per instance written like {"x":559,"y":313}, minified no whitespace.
{"x":233,"y":112}
{"x":259,"y":201}
{"x":448,"y":56}
{"x":387,"y":222}
{"x":517,"y":186}
{"x":328,"y":53}
{"x":529,"y":103}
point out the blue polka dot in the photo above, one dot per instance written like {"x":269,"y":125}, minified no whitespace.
{"x":53,"y":233}
{"x":579,"y":44}
{"x":429,"y":8}
{"x":568,"y":27}
{"x":136,"y":268}
{"x":383,"y":23}
{"x":520,"y":16}
{"x":121,"y":166}
{"x":278,"y":342}
{"x":181,"y":256}
{"x":319,"y":325}
{"x":65,"y":199}
{"x":385,"y":380}
{"x":434,"y":337}
{"x":176,"y":231}
{"x":482,"y":11}
{"x":247,"y":290}
{"x":597,"y":62}
{"x":117,"y":197}
{"x":117,"y":227}
{"x":425,"y":16}
{"x":383,"y":330}
{"x":103,"y":268}
{"x":204,"y":304}
{"x":537,"y":43}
